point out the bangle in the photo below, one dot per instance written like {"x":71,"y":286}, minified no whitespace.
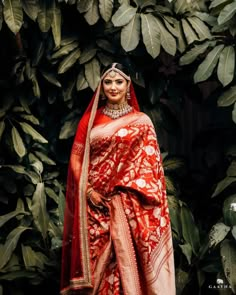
{"x":89,"y":192}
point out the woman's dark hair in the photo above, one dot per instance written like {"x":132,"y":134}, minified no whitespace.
{"x":119,"y":67}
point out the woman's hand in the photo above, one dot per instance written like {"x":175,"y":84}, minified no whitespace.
{"x":97,"y":200}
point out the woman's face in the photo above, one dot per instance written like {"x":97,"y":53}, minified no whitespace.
{"x":115,"y":87}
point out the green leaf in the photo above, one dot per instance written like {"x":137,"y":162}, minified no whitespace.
{"x":123,"y":15}
{"x":45,"y":17}
{"x":231,"y":171}
{"x":226,"y":65}
{"x":172,"y":164}
{"x":10,"y":245}
{"x":69,"y":61}
{"x":18,"y":143}
{"x":234,"y":113}
{"x":1,"y":17}
{"x":187,"y":251}
{"x":216,"y":3}
{"x":130,"y":34}
{"x":84,"y":5}
{"x":200,"y":28}
{"x":61,"y":206}
{"x":229,"y":210}
{"x":2,"y":128}
{"x":227,"y":98}
{"x":68,"y":129}
{"x":81,"y":82}
{"x":32,"y":132}
{"x":92,"y":73}
{"x":67,"y":93}
{"x":227,"y":13}
{"x":228,"y":256}
{"x":37,"y":166}
{"x":56,"y":24}
{"x":87,"y":54}
{"x":174,"y":208}
{"x":6,"y":217}
{"x":39,"y":210}
{"x":189,"y":229}
{"x":217,"y":234}
{"x":32,"y":258}
{"x":180,"y":6}
{"x":223,"y":184}
{"x":151,"y":34}
{"x":21,"y":170}
{"x":189,"y":33}
{"x":167,"y":40}
{"x":51,"y":77}
{"x":31,"y":8}
{"x":105,"y":8}
{"x":193,"y":53}
{"x":92,"y":15}
{"x":50,"y":192}
{"x":30,"y":118}
{"x":44,"y":158}
{"x":13,"y":15}
{"x":206,"y":68}
{"x":65,"y":50}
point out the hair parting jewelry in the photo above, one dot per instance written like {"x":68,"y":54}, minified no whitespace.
{"x":113,"y":70}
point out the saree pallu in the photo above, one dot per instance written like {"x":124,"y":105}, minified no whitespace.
{"x":130,"y":246}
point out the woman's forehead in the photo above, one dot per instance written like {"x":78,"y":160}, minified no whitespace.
{"x":113,"y":75}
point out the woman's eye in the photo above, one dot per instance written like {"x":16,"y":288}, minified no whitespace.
{"x":107,"y":82}
{"x":119,"y":82}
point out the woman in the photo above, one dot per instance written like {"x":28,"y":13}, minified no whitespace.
{"x":117,"y":235}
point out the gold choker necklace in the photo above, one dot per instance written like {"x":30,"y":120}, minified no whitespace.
{"x":115,"y":111}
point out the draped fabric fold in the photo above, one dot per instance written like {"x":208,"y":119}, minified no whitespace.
{"x":127,"y":249}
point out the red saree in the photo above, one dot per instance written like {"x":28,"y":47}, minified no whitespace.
{"x":127,"y":250}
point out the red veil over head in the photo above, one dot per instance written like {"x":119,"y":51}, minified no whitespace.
{"x":76,"y":272}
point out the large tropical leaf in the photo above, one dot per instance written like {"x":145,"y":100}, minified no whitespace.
{"x":56,"y":24}
{"x":234,"y":113}
{"x":228,"y":256}
{"x":7,"y":249}
{"x":200,"y":28}
{"x":151,"y":34}
{"x":45,"y":17}
{"x":130,"y":34}
{"x":123,"y":15}
{"x":22,"y":170}
{"x":206,"y":68}
{"x":167,"y":40}
{"x":32,"y":132}
{"x":92,"y":73}
{"x":64,"y":50}
{"x":81,"y":82}
{"x":105,"y":8}
{"x":223,"y":184}
{"x":193,"y":53}
{"x":18,"y":143}
{"x":13,"y":15}
{"x":2,"y":128}
{"x":189,"y":229}
{"x":216,"y":3}
{"x":226,"y":65}
{"x":31,"y":8}
{"x":69,"y":61}
{"x":217,"y":234}
{"x":84,"y":5}
{"x":68,"y":129}
{"x":227,"y":98}
{"x":32,"y":258}
{"x":39,"y":209}
{"x":229,"y":211}
{"x":30,"y":118}
{"x":187,"y":251}
{"x":189,"y":33}
{"x":227,"y":13}
{"x":51,"y":77}
{"x":92,"y":15}
{"x":87,"y":54}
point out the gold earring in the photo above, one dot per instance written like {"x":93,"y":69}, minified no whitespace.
{"x":128,"y":96}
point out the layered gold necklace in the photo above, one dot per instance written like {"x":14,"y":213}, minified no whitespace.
{"x":115,"y":111}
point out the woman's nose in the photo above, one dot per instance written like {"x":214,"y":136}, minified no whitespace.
{"x":113,"y":86}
